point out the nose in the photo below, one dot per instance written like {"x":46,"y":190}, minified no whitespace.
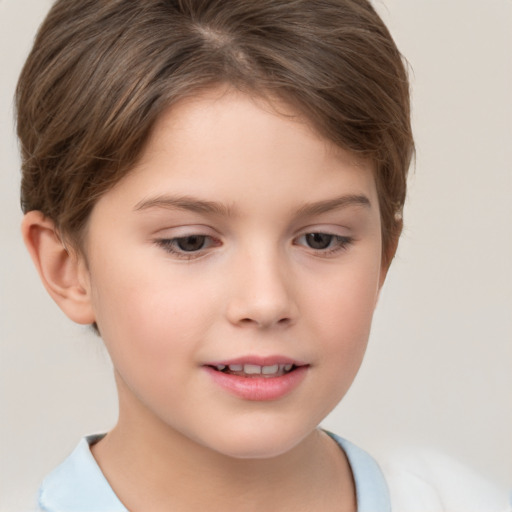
{"x":262,"y":292}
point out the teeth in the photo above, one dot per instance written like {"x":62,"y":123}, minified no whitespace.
{"x":269,"y":370}
{"x":252,"y":369}
{"x":255,"y":369}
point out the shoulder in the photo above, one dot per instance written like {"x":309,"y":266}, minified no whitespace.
{"x":419,"y":480}
{"x":424,"y":481}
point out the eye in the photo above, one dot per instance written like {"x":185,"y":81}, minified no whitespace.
{"x":190,"y":243}
{"x":187,"y":247}
{"x":318,"y":240}
{"x":324,"y":243}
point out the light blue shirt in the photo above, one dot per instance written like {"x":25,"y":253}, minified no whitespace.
{"x":78,"y":485}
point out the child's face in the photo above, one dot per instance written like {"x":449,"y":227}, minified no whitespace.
{"x":206,"y":255}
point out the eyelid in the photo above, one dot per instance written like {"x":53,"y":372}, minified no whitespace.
{"x":168,"y":238}
{"x":326,"y":229}
{"x":184,"y":230}
{"x":168,"y":241}
{"x":342,"y":241}
{"x":169,"y":245}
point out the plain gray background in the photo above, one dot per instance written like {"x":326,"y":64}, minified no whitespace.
{"x":438,"y":369}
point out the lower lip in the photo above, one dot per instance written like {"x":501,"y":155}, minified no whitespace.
{"x":259,"y":388}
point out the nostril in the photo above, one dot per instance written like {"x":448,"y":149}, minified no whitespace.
{"x":264,"y":322}
{"x":262,"y":311}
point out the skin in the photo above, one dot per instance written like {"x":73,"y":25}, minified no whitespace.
{"x":255,"y":287}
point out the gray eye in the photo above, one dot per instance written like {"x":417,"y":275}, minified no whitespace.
{"x":191,"y":243}
{"x":319,"y":240}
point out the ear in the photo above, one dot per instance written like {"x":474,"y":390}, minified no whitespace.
{"x":389,"y":253}
{"x":63,"y":272}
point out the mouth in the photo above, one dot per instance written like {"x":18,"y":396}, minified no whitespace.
{"x":255,"y":370}
{"x":258,"y":378}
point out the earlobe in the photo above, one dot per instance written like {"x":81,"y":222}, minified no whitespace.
{"x":63,"y":273}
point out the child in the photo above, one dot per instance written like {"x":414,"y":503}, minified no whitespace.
{"x":216,"y":186}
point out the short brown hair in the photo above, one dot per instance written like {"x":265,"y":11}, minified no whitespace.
{"x":102,"y":71}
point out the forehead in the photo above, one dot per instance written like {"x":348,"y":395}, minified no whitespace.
{"x":223,"y":118}
{"x":232,"y":147}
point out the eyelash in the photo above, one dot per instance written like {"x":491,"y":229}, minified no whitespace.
{"x":170,"y":245}
{"x":341,"y":243}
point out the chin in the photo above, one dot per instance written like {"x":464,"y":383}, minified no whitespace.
{"x":258,"y":443}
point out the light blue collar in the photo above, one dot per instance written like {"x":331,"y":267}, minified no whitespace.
{"x":371,"y":489}
{"x":78,"y":485}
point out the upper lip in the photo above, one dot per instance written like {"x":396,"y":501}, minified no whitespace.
{"x":257,"y":360}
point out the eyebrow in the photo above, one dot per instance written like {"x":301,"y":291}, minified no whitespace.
{"x":185,"y":203}
{"x":213,"y":207}
{"x":311,"y":209}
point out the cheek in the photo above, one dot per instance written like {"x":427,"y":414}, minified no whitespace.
{"x":150,"y":332}
{"x":151,"y":316}
{"x":343,"y":310}
{"x":339,"y":326}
